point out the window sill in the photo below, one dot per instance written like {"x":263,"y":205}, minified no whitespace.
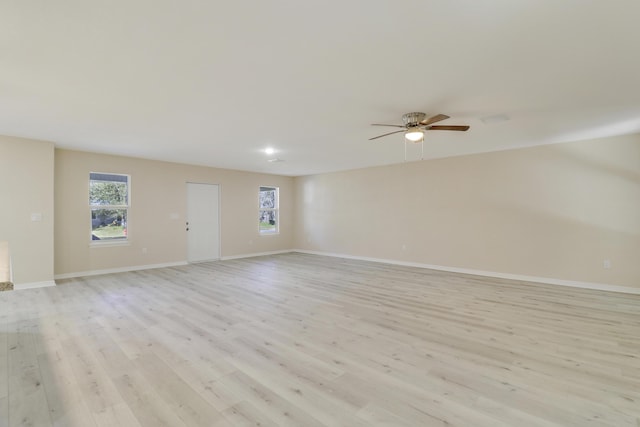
{"x":106,"y":243}
{"x":269,"y":233}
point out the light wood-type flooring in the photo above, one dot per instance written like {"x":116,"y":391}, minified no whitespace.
{"x":304,"y":340}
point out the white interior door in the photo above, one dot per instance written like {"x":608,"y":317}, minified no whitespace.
{"x":203,"y":229}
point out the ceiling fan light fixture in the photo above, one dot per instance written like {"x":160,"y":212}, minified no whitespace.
{"x":414,"y":134}
{"x":415,"y":125}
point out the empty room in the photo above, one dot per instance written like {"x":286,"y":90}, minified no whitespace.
{"x":420,"y":213}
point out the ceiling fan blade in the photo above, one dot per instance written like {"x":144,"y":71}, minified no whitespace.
{"x":390,"y":133}
{"x":434,"y":119}
{"x":393,"y":126}
{"x":442,"y":127}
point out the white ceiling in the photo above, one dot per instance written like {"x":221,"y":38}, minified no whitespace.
{"x":215,"y":83}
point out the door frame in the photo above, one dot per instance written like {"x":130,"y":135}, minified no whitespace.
{"x":219,"y":220}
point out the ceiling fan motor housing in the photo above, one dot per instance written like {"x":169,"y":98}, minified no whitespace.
{"x":413,"y":119}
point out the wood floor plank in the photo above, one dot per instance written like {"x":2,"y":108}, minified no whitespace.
{"x":119,"y":415}
{"x":277,"y":408}
{"x":146,"y":405}
{"x":184,"y":401}
{"x":94,"y":383}
{"x":4,"y":370}
{"x":244,"y":414}
{"x":27,"y":400}
{"x":305,"y":340}
{"x":4,"y":411}
{"x":67,"y":406}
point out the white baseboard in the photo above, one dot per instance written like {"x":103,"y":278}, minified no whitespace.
{"x":150,"y":266}
{"x":520,"y":277}
{"x":118,"y":270}
{"x":285,"y":251}
{"x":33,"y":285}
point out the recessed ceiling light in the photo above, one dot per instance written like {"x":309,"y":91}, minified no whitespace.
{"x":269,"y":150}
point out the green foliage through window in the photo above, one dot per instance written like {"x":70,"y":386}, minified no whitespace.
{"x":268,"y":210}
{"x":109,"y":201}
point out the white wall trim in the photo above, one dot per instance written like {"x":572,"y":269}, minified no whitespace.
{"x":33,"y":285}
{"x":520,"y":277}
{"x":164,"y":265}
{"x":119,"y":270}
{"x":285,"y":251}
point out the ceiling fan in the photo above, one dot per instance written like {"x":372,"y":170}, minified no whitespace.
{"x":415,"y":124}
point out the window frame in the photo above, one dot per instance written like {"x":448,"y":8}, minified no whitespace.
{"x":117,"y":241}
{"x":275,"y":209}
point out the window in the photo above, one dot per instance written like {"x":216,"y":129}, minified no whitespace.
{"x":268,"y":219}
{"x":109,"y":202}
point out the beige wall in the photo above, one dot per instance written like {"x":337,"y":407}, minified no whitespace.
{"x":555,"y":211}
{"x":158,"y":190}
{"x":26,"y":187}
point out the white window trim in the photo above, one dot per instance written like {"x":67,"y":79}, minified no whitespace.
{"x":276,"y":210}
{"x":107,"y":243}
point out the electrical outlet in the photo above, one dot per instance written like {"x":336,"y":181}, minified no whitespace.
{"x":606,"y":264}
